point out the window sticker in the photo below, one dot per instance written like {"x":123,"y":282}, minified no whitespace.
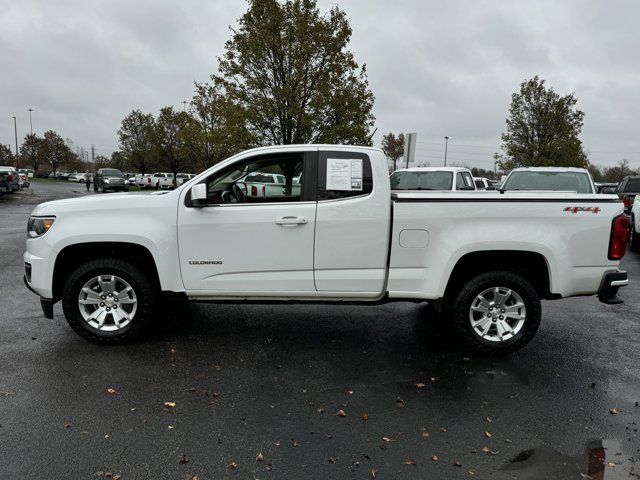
{"x":344,"y":174}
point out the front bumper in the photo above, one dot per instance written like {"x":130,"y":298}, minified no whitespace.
{"x":611,"y":283}
{"x":45,"y":303}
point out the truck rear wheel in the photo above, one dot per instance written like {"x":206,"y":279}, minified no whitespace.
{"x":108,"y":301}
{"x":496,"y":312}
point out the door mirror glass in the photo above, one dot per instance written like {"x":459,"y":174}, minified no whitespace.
{"x":199,"y":192}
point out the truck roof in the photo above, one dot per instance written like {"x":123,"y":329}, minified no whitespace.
{"x":550,"y":169}
{"x":433,"y":169}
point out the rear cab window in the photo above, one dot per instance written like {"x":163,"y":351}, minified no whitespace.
{"x":343,"y":175}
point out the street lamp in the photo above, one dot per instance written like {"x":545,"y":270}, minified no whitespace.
{"x":30,"y":121}
{"x":446,"y":144}
{"x":15,"y":130}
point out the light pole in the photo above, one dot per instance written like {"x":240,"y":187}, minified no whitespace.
{"x":15,"y":131}
{"x":30,"y":121}
{"x":446,"y":144}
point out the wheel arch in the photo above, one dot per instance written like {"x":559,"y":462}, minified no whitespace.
{"x":72,"y":256}
{"x":531,"y":265}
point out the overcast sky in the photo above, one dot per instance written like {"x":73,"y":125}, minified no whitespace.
{"x":436,"y":68}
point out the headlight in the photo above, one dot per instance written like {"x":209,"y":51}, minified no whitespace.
{"x":106,"y":180}
{"x":38,"y":226}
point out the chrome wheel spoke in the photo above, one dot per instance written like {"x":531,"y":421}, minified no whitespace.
{"x":515,"y":308}
{"x":483,"y":325}
{"x":480,"y":308}
{"x":101,"y":305}
{"x":501,"y":298}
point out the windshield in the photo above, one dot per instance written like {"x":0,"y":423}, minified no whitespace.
{"x":632,"y":186}
{"x":578,"y":182}
{"x":435,"y":180}
{"x":110,"y":172}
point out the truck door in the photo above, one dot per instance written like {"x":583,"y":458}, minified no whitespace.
{"x":352,"y":223}
{"x":240,"y":244}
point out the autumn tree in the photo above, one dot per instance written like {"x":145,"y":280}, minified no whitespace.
{"x":289,"y":74}
{"x":6,"y":156}
{"x":222,"y":130}
{"x":618,"y":172}
{"x":136,"y":138}
{"x":53,"y":151}
{"x":174,"y":137}
{"x":543,"y":129}
{"x":29,"y":150}
{"x":393,"y":147}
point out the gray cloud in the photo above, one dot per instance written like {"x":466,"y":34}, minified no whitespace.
{"x":436,"y":68}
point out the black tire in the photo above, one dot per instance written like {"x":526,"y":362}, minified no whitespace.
{"x":145,"y":291}
{"x":634,"y":237}
{"x":95,"y":187}
{"x":104,"y":189}
{"x":458,"y":309}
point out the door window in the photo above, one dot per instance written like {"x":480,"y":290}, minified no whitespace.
{"x":264,"y":179}
{"x":344,"y":175}
{"x":464,"y":181}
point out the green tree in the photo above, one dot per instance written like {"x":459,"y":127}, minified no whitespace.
{"x":136,"y":137}
{"x":101,"y":162}
{"x":393,"y":147}
{"x":119,"y":160}
{"x":543,"y":129}
{"x":29,"y":150}
{"x":292,"y":79}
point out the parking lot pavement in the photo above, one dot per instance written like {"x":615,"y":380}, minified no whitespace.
{"x":324,"y":392}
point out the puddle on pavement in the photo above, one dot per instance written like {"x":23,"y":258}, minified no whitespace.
{"x":601,"y":460}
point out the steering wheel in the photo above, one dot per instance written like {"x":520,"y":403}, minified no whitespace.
{"x":238,"y":193}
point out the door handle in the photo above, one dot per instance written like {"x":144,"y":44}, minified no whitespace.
{"x":291,"y":221}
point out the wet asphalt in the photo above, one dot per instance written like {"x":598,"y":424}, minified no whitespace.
{"x":312,"y":392}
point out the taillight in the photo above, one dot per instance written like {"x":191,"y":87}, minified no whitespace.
{"x":254,"y":191}
{"x":626,"y":200}
{"x":619,"y":237}
{"x":10,"y":178}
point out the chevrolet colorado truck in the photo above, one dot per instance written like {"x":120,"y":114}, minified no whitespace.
{"x":484,"y":259}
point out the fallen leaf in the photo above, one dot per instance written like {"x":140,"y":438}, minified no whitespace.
{"x":434,"y":379}
{"x":331,"y":460}
{"x":133,"y":409}
{"x":488,"y":419}
{"x":192,"y":389}
{"x":112,"y":391}
{"x":169,"y":404}
{"x":584,"y":475}
{"x":457,"y":464}
{"x":269,"y":466}
{"x":350,"y":392}
{"x":67,"y":425}
{"x":373,"y":473}
{"x":386,"y":439}
{"x":420,"y":385}
{"x":170,"y":427}
{"x":434,"y":458}
{"x":195,"y":477}
{"x":294,"y":443}
{"x":443,"y":430}
{"x":365,"y":416}
{"x":613,"y":411}
{"x":341,"y":413}
{"x":611,"y":464}
{"x":399,"y":402}
{"x":320,"y":410}
{"x":488,"y":451}
{"x":183,"y":458}
{"x":233,"y":465}
{"x":487,"y":434}
{"x":260,"y":457}
{"x":425,"y":434}
{"x":409,"y":461}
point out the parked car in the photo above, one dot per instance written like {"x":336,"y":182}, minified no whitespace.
{"x":627,"y":190}
{"x":483,"y":183}
{"x":258,"y":184}
{"x":344,"y":238}
{"x":43,"y":174}
{"x":28,"y":171}
{"x":24,"y":180}
{"x":183,"y":177}
{"x":165,"y":182}
{"x":145,"y":180}
{"x":78,"y":177}
{"x":159,"y":178}
{"x":109,"y":179}
{"x":634,"y":229}
{"x":432,"y":178}
{"x":5,"y":184}
{"x":12,"y":177}
{"x":557,"y":179}
{"x":606,"y":188}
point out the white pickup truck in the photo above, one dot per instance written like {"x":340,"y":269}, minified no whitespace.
{"x":479,"y":257}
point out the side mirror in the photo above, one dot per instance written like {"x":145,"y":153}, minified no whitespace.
{"x":608,"y":190}
{"x":199,"y":193}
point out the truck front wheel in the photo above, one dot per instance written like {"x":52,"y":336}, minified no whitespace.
{"x":496,"y":312}
{"x":108,"y":301}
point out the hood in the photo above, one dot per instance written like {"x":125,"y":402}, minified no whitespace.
{"x":108,"y":202}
